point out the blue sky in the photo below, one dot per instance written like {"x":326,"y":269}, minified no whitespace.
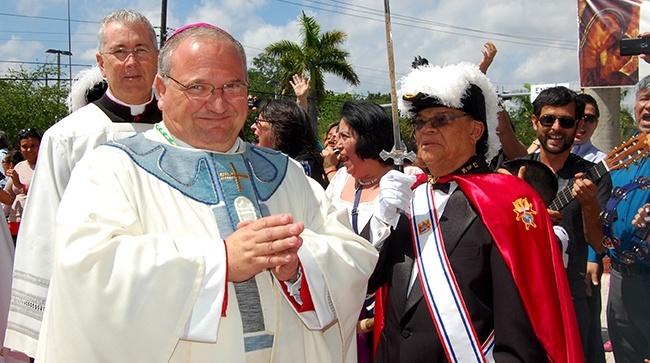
{"x":537,"y":40}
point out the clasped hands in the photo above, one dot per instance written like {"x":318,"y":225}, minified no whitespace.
{"x":267,"y":243}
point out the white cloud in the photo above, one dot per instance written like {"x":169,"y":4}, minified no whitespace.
{"x":30,"y":7}
{"x":418,"y":29}
{"x":16,"y":49}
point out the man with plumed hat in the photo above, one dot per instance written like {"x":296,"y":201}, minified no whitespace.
{"x":474,"y":273}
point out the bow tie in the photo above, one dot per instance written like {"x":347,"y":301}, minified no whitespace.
{"x":443,"y":187}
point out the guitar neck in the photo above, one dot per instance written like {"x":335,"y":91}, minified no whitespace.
{"x":564,"y":196}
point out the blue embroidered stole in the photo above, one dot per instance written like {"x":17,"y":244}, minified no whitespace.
{"x":235,"y":186}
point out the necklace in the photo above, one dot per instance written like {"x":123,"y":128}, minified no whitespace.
{"x":365,"y":184}
{"x":432,"y":179}
{"x":165,"y":134}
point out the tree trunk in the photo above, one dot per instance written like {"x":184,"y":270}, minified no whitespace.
{"x":608,"y":134}
{"x":313,"y":111}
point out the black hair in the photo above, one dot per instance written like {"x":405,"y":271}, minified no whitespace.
{"x":538,"y":175}
{"x":588,"y":100}
{"x":291,"y":127}
{"x":557,"y":97}
{"x":293,"y":134}
{"x":374,"y":128}
{"x":29,"y":132}
{"x":329,"y":128}
{"x":14,"y":156}
{"x":4,"y":140}
{"x":418,"y":62}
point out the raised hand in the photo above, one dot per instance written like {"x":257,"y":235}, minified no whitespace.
{"x":489,"y":53}
{"x":300,"y":85}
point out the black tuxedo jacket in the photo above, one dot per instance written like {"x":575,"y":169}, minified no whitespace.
{"x":485,"y":282}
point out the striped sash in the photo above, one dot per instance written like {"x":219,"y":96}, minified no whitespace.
{"x":446,"y":305}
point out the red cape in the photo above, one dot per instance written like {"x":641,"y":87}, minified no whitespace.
{"x":533,"y":256}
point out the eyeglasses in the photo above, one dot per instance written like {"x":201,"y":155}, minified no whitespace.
{"x":437,"y":121}
{"x":28,"y":132}
{"x":590,"y":119}
{"x":566,"y":122}
{"x":230,"y":92}
{"x":140,"y":53}
{"x":258,"y":120}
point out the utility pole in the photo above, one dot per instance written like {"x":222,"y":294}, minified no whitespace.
{"x":58,"y":53}
{"x":69,"y":53}
{"x":163,"y":22}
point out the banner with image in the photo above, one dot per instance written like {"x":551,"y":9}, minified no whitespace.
{"x":603,"y":23}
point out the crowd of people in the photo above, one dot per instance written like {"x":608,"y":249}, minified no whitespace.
{"x":152,"y":231}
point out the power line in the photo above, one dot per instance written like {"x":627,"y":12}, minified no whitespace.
{"x":32,"y":32}
{"x":506,"y":37}
{"x":481,"y":31}
{"x":49,"y":41}
{"x":48,"y":18}
{"x":44,"y":63}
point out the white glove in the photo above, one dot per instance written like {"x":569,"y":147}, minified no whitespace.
{"x":394,"y":197}
{"x":563,"y":239}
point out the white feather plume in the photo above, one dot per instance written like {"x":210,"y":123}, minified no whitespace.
{"x":82,"y":83}
{"x":449,"y":84}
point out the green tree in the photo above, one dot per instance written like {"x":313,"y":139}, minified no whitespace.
{"x":520,"y":109}
{"x":26,"y":102}
{"x":317,"y":54}
{"x":330,"y":109}
{"x":263,"y":76}
{"x":628,"y":126}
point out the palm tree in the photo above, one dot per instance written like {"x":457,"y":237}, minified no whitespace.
{"x":316,"y":55}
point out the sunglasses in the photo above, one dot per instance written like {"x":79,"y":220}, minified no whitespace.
{"x":28,"y":132}
{"x":566,"y":122}
{"x":590,"y":119}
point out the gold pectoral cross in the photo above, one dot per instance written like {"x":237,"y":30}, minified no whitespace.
{"x":234,"y":175}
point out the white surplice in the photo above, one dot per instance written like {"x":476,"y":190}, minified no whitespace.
{"x":139,"y":264}
{"x":62,"y":146}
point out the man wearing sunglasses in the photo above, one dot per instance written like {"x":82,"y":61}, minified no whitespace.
{"x":127,"y":56}
{"x":557,"y":114}
{"x":582,"y":146}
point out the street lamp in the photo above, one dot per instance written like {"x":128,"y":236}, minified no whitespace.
{"x":58,"y":53}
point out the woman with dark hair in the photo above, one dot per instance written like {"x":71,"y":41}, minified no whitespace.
{"x":365,"y":129}
{"x":20,"y":176}
{"x":329,"y":153}
{"x":285,"y":126}
{"x":329,"y":138}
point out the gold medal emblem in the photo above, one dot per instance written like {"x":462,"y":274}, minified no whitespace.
{"x":424,"y":227}
{"x":525,"y":212}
